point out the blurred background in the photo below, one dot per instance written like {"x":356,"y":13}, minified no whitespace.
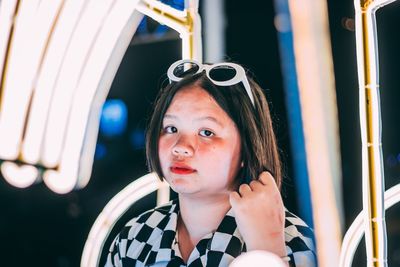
{"x":41,"y":228}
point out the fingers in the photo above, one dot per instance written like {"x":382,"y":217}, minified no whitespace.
{"x":256,"y":185}
{"x":266,"y":178}
{"x":265,"y":184}
{"x":244,"y":189}
{"x":236,"y":198}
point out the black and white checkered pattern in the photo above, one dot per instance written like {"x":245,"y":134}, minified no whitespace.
{"x":149,"y":240}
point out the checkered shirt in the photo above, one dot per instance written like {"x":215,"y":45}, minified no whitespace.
{"x":149,"y":240}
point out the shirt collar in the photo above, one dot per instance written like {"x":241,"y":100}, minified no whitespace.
{"x":225,"y":239}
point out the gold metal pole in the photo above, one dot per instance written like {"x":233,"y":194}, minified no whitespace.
{"x":187,"y":22}
{"x":370,"y":121}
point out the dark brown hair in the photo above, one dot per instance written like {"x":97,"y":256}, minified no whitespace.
{"x":259,"y":151}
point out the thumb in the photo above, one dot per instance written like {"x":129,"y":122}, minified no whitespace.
{"x":234,"y":198}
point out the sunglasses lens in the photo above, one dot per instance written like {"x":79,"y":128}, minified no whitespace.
{"x":222,"y":73}
{"x":186,"y":69}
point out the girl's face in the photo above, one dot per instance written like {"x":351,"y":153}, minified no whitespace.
{"x":199,"y":147}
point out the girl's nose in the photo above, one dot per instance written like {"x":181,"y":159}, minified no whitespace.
{"x":184,"y":147}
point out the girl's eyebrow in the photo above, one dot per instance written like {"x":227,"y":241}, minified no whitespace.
{"x":168,"y":116}
{"x":210,"y":118}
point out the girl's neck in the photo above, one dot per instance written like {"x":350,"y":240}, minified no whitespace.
{"x":200,"y":217}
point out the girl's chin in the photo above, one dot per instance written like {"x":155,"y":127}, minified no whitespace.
{"x":179,"y":185}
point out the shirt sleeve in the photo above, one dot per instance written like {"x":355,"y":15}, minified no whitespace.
{"x":299,"y":239}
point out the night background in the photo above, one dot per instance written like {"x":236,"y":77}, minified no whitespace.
{"x":41,"y":228}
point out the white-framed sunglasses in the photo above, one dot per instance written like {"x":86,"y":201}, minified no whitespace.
{"x":221,"y":74}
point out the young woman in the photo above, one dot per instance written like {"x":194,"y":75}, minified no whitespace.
{"x":211,"y":138}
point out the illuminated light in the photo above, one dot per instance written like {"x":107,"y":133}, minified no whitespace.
{"x":315,"y":75}
{"x":70,"y":73}
{"x":19,"y":176}
{"x":166,"y":9}
{"x":348,"y":24}
{"x":356,"y":230}
{"x":214,"y":24}
{"x":115,"y":208}
{"x":257,"y":258}
{"x":7,"y":9}
{"x":60,"y":182}
{"x":101,"y":151}
{"x":17,"y":81}
{"x":32,"y":26}
{"x":55,"y":54}
{"x":95,"y":80}
{"x":373,"y":179}
{"x":142,"y":28}
{"x":187,"y":23}
{"x":137,"y":138}
{"x":177,"y":4}
{"x":176,"y":24}
{"x":100,"y":68}
{"x":67,"y":78}
{"x":113,"y":118}
{"x":161,"y":30}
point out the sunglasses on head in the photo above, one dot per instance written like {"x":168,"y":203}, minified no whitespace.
{"x":221,"y":74}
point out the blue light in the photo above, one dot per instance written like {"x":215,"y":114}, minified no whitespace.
{"x":101,"y":151}
{"x":178,"y":4}
{"x":114,"y":118}
{"x":161,"y":30}
{"x":137,"y":138}
{"x":142,"y":28}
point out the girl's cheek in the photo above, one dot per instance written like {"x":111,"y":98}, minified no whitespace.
{"x":163,"y":143}
{"x":163,"y":149}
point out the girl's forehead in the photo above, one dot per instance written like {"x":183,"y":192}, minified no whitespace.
{"x":193,"y":89}
{"x":194,"y":102}
{"x":193,"y":95}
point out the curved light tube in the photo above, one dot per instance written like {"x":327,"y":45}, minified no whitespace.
{"x":355,"y":232}
{"x":115,"y":208}
{"x":19,"y":176}
{"x":90,"y":90}
{"x":373,"y":179}
{"x":30,"y":28}
{"x":47,"y":76}
{"x":51,"y":97}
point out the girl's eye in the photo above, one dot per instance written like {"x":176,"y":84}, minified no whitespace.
{"x":206,"y":133}
{"x":170,"y":129}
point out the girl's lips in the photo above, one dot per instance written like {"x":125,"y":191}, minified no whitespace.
{"x":181,"y":170}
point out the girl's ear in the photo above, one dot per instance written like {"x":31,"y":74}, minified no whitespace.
{"x":241,"y":164}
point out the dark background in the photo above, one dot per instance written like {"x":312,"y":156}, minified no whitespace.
{"x":41,"y":228}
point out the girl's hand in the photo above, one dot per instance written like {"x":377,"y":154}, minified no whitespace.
{"x":260,"y":215}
